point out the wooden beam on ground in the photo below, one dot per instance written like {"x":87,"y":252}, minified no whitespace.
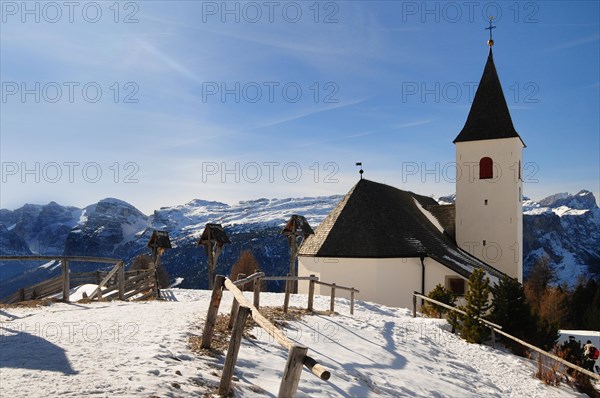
{"x":316,"y":369}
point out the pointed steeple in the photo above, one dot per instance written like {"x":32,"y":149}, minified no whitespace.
{"x":489,"y":117}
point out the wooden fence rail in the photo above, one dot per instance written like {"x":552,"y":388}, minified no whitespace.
{"x":311,"y":289}
{"x":497,"y":329}
{"x":296,"y":353}
{"x":46,"y":288}
{"x":116,"y":283}
{"x":82,"y":259}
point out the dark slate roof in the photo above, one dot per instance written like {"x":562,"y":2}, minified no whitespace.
{"x":159,"y":239}
{"x":299,"y":225}
{"x":216,"y":233}
{"x":379,"y":221}
{"x":446,"y":215}
{"x":489,"y":117}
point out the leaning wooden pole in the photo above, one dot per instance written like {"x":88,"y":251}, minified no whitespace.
{"x":292,"y":372}
{"x":121,"y":278}
{"x":213,"y":311}
{"x":233,"y":350}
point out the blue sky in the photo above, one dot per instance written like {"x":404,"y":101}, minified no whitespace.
{"x":158,"y":102}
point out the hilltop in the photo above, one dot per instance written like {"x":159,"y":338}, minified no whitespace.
{"x":141,"y":349}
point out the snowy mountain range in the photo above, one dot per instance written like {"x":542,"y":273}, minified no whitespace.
{"x":564,"y":227}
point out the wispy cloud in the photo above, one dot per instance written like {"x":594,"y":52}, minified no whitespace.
{"x":370,"y":132}
{"x":306,"y":113}
{"x":170,"y":61}
{"x":575,"y":43}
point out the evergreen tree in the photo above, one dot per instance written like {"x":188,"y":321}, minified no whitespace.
{"x":476,"y":307}
{"x":511,"y":310}
{"x":546,"y":334}
{"x":591,"y":317}
{"x":582,"y":308}
{"x":441,"y":294}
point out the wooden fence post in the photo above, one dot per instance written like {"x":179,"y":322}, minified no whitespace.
{"x":414,"y":306}
{"x":332,"y":304}
{"x":292,"y":372}
{"x":22,"y":294}
{"x":66,"y":281}
{"x":235,"y":305}
{"x":493,"y":337}
{"x":257,"y":283}
{"x":121,"y":277}
{"x":233,"y":350}
{"x":352,"y":302}
{"x":213,"y":311}
{"x":155,"y":288}
{"x":311,"y":292}
{"x":98,"y":278}
{"x":286,"y":300}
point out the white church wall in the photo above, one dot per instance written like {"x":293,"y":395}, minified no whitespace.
{"x":499,"y":221}
{"x":388,"y":281}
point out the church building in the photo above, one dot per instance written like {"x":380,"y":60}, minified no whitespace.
{"x":387,"y":242}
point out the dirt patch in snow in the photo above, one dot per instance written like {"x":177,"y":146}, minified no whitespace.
{"x":32,"y":303}
{"x":222,"y":334}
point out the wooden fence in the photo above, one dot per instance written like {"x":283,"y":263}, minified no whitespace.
{"x":241,"y":308}
{"x":116,"y":283}
{"x":497,"y":329}
{"x":312,"y":280}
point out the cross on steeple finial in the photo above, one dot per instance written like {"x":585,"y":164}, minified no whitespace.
{"x":491,"y":41}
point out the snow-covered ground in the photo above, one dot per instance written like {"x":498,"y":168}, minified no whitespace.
{"x":124,"y":349}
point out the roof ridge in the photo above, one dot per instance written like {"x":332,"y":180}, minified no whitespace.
{"x":310,"y":246}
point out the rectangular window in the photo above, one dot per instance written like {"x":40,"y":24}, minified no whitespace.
{"x":456,"y":285}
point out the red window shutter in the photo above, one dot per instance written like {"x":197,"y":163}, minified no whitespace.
{"x":486,"y":168}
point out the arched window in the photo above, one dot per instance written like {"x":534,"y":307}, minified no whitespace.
{"x":486,"y":168}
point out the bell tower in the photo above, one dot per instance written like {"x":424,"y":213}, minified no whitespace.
{"x":489,"y":185}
